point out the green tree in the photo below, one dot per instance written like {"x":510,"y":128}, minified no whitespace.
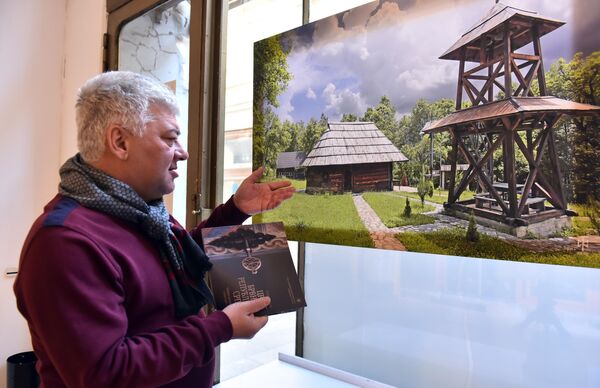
{"x":271,"y":78}
{"x":349,"y":117}
{"x":384,"y":117}
{"x":311,"y":134}
{"x":407,"y":209}
{"x":579,"y":80}
{"x":295,"y":131}
{"x":279,"y":138}
{"x":424,"y":111}
{"x":424,"y":187}
{"x":472,"y":232}
{"x":415,"y":146}
{"x":418,"y":157}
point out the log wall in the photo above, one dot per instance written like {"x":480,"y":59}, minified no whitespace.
{"x":371,"y":177}
{"x":363,"y":177}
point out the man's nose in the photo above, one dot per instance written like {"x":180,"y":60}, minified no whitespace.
{"x":181,"y":153}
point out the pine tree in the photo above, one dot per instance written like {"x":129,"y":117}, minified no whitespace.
{"x":472,"y":232}
{"x":407,"y":209}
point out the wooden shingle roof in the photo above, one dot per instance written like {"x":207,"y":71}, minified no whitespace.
{"x":509,"y":107}
{"x":352,"y":143}
{"x":290,"y":159}
{"x":492,"y":25}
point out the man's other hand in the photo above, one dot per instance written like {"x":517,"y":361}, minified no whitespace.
{"x":253,"y":197}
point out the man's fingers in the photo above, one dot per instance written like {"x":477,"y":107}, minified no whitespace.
{"x":256,"y":174}
{"x":258,"y":304}
{"x":279,"y":184}
{"x":278,"y":197}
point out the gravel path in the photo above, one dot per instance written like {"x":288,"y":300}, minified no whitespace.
{"x":382,"y":236}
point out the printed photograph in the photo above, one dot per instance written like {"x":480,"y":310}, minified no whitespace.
{"x":458,"y":127}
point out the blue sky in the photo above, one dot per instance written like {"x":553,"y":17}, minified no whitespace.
{"x":345,"y":63}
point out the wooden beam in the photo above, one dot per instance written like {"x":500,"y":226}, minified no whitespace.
{"x":507,"y":61}
{"x":467,"y":177}
{"x":520,"y":78}
{"x":519,"y":66}
{"x":537,"y":49}
{"x":486,"y":181}
{"x":509,"y":140}
{"x":556,"y":169}
{"x":476,"y":168}
{"x":499,"y":85}
{"x":454,"y":161}
{"x":529,"y":78}
{"x":526,"y":57}
{"x":482,"y":66}
{"x":468,"y":86}
{"x":488,"y":86}
{"x":459,"y":88}
{"x":533,"y":168}
{"x":478,"y":77}
{"x":479,"y":94}
{"x":541,"y":180}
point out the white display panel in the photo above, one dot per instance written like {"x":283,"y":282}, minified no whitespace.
{"x":419,"y":320}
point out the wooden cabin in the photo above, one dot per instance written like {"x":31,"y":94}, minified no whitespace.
{"x":351,"y":156}
{"x":289,"y":165}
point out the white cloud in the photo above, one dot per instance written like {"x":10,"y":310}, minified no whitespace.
{"x":427,"y":76}
{"x":353,"y":69}
{"x":342,"y":101}
{"x":285,"y":109}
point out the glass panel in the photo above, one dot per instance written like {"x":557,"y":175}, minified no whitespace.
{"x":320,"y":9}
{"x":157,"y":44}
{"x":418,"y":320}
{"x":249,"y":21}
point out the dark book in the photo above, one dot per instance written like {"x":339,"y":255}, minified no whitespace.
{"x":252,"y":261}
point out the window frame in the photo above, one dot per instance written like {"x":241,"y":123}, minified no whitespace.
{"x":206,"y":93}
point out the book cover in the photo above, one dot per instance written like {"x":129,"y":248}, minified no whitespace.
{"x":252,"y":261}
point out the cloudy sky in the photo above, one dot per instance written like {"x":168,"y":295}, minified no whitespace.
{"x":345,"y":63}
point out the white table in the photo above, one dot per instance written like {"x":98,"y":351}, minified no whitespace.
{"x":295,"y":372}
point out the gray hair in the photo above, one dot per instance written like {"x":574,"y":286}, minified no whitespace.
{"x":117,"y":97}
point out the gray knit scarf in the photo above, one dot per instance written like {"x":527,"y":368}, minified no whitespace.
{"x":184,"y":261}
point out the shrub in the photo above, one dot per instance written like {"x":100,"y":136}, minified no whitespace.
{"x":407,"y":209}
{"x":424,"y":187}
{"x":592,"y":211}
{"x":472,"y":232}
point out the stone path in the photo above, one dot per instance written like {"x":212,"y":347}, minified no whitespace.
{"x":383,"y":237}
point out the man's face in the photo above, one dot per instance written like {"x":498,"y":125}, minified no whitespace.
{"x":153,"y":157}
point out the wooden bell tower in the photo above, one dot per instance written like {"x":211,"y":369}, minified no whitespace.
{"x":499,"y":83}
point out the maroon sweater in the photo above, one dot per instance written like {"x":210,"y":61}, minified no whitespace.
{"x":99,"y":307}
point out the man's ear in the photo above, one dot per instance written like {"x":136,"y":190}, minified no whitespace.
{"x":117,"y":141}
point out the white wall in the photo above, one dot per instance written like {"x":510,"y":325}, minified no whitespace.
{"x":48,"y":48}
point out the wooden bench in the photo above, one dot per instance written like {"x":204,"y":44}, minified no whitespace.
{"x":482,"y":200}
{"x":535,"y":203}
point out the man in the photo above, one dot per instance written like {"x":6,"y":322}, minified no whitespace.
{"x":110,"y":284}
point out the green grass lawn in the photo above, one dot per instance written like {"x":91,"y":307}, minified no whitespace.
{"x":439,"y":196}
{"x":390,"y":209}
{"x":453,"y":242}
{"x":327,"y":219}
{"x":581,"y":224}
{"x":297,"y":183}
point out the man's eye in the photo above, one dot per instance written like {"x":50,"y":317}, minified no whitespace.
{"x":171,"y":140}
